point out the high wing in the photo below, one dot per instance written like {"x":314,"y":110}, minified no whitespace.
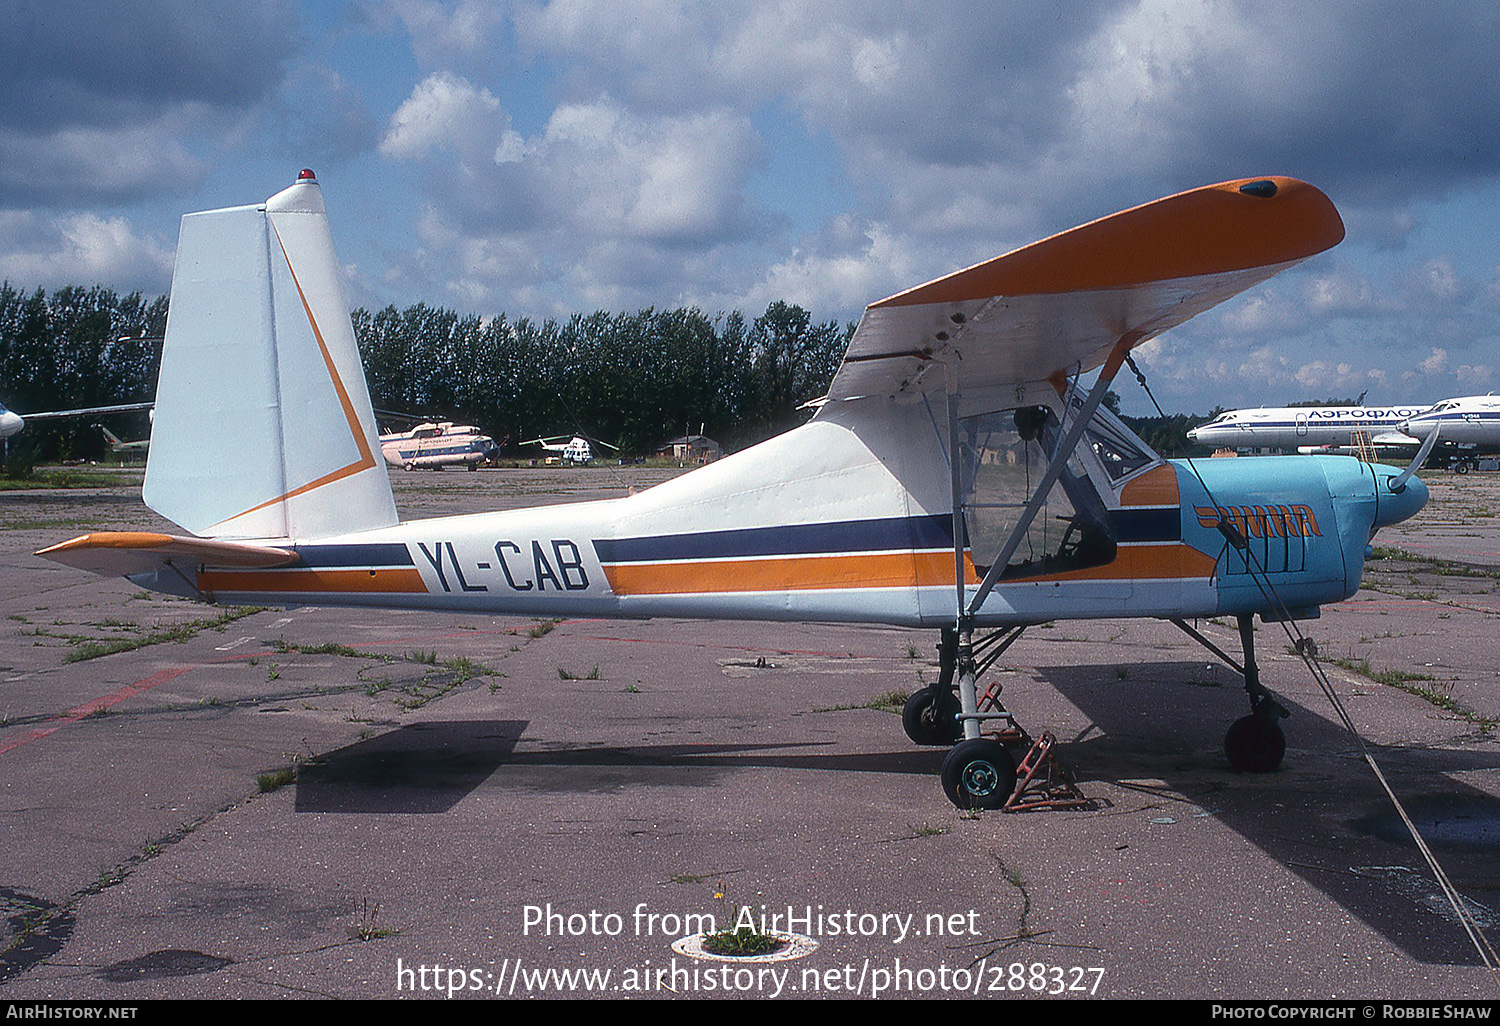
{"x":1061,"y":305}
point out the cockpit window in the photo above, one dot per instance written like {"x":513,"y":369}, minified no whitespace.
{"x":1004,"y":455}
{"x":1118,"y":451}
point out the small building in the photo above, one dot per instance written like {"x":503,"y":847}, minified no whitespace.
{"x":691,"y":449}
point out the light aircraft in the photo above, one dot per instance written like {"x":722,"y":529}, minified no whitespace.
{"x":959,"y":476}
{"x":10,"y":422}
{"x":1308,"y":427}
{"x":437,"y":446}
{"x":576,"y":451}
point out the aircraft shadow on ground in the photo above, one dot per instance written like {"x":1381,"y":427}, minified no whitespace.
{"x":430,"y":767}
{"x":1323,"y":815}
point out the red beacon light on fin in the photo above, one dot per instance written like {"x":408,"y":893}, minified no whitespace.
{"x":306,"y":175}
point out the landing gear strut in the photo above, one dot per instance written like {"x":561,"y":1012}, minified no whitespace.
{"x":1254,"y":743}
{"x":931,"y":714}
{"x":980,"y":772}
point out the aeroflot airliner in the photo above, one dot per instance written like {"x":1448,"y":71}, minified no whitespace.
{"x":1305,"y":427}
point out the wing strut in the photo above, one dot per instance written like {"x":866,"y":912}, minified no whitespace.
{"x":1054,"y":470}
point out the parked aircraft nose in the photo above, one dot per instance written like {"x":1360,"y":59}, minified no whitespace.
{"x":1392,"y":507}
{"x":1416,"y":428}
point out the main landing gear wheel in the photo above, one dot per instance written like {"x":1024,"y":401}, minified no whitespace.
{"x":979,"y":774}
{"x":931,"y":717}
{"x":1254,"y":744}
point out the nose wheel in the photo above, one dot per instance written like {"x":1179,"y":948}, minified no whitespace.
{"x":1254,"y":744}
{"x":979,"y":774}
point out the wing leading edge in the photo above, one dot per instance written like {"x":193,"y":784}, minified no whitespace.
{"x":1063,"y":303}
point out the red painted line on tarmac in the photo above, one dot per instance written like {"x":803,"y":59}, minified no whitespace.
{"x":95,"y":705}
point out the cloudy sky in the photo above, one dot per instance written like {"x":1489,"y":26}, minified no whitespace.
{"x":542,"y":158}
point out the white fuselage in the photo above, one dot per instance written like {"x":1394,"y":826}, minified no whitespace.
{"x":1291,"y":427}
{"x":1470,"y":420}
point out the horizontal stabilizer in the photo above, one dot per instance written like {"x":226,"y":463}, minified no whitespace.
{"x":129,"y":553}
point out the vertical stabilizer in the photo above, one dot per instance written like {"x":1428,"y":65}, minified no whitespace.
{"x":263,"y":425}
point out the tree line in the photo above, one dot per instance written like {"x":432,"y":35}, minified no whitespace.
{"x":633,"y":380}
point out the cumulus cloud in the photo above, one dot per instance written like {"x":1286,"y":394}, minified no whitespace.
{"x":850,"y":264}
{"x":444,"y":112}
{"x":443,"y":31}
{"x":966,"y":130}
{"x":1474,"y":375}
{"x":37,"y":251}
{"x":100,"y":96}
{"x":1343,"y":292}
{"x":82,"y":163}
{"x":612,"y":200}
{"x":1435,"y":283}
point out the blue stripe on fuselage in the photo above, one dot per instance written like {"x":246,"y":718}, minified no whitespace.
{"x":370,"y":554}
{"x":896,"y":534}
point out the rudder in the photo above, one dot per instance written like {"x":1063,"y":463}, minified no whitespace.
{"x":263,"y":426}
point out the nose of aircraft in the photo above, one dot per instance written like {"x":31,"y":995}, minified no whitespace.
{"x":1416,"y":427}
{"x":1392,"y":507}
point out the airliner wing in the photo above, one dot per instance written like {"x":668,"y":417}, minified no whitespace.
{"x":88,"y":411}
{"x":1061,"y":305}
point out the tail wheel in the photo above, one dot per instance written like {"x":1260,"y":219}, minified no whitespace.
{"x":979,"y":774}
{"x":1254,"y":744}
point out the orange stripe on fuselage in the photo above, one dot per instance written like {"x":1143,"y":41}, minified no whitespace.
{"x":1168,"y":561}
{"x":311,"y":581}
{"x":797,"y":573}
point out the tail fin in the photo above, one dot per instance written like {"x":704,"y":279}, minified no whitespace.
{"x":263,"y":424}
